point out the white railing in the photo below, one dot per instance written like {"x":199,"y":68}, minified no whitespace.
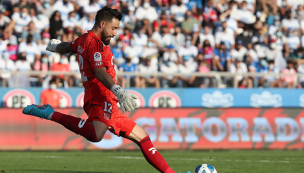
{"x":217,"y":75}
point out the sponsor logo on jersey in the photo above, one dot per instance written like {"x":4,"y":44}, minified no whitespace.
{"x":97,"y":56}
{"x":217,"y":99}
{"x":266,"y":100}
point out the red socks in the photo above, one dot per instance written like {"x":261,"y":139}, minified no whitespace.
{"x":153,"y":156}
{"x":76,"y":125}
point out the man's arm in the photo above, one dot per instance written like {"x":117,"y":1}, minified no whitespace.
{"x":104,"y":77}
{"x":55,"y":45}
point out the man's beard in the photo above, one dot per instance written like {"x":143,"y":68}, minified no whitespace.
{"x":104,"y":36}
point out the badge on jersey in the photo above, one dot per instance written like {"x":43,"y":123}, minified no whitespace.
{"x":97,"y":56}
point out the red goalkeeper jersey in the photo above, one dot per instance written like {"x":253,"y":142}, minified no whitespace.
{"x":92,"y":54}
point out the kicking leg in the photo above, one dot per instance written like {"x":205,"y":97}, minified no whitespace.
{"x":92,"y":131}
{"x":141,"y":138}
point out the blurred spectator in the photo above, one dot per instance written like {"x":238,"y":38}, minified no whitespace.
{"x":302,"y":40}
{"x":146,"y":12}
{"x":19,"y":21}
{"x":245,"y":37}
{"x":70,"y":26}
{"x":87,"y":23}
{"x":293,"y":42}
{"x":63,"y":66}
{"x":260,"y":37}
{"x":162,"y":37}
{"x":204,"y":67}
{"x":128,"y":66}
{"x":299,"y":14}
{"x":64,"y":7}
{"x":32,"y":31}
{"x":24,"y":66}
{"x":187,"y":52}
{"x":178,"y":11}
{"x":178,"y":38}
{"x":148,"y":67}
{"x":12,"y":47}
{"x":222,"y":57}
{"x":168,"y":80}
{"x":209,"y":14}
{"x":301,"y":70}
{"x":163,"y":21}
{"x":6,"y":65}
{"x":280,"y":40}
{"x":140,"y":38}
{"x":117,"y":53}
{"x":130,"y":19}
{"x":239,"y":52}
{"x":275,"y":25}
{"x":4,"y":21}
{"x":208,"y":54}
{"x":125,"y":37}
{"x":170,"y":55}
{"x":189,"y":22}
{"x":224,"y":36}
{"x":151,"y":52}
{"x":238,"y":67}
{"x":55,"y":25}
{"x":289,"y":81}
{"x":50,"y":96}
{"x":271,"y":81}
{"x":30,"y":48}
{"x":133,"y":50}
{"x":3,"y":45}
{"x":290,"y":23}
{"x":189,"y":67}
{"x":92,"y":7}
{"x":147,"y":28}
{"x":42,"y":22}
{"x":207,"y":35}
{"x":43,"y":44}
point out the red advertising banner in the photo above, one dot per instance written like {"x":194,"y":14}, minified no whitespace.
{"x":180,"y":128}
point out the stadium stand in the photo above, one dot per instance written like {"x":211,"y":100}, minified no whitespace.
{"x":169,"y":36}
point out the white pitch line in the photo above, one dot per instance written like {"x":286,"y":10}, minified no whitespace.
{"x":220,"y":160}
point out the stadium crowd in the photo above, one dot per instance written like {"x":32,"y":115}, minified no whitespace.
{"x":176,"y":36}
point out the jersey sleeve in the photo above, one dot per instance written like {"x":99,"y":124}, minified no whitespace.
{"x":99,"y":56}
{"x":74,"y":45}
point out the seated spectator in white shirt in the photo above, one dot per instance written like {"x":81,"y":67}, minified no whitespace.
{"x":302,"y":40}
{"x":3,"y":46}
{"x":87,"y":23}
{"x":151,"y":51}
{"x":170,"y":55}
{"x":290,"y":23}
{"x":6,"y":65}
{"x":280,"y":40}
{"x":70,"y":26}
{"x":146,"y":12}
{"x":133,"y":50}
{"x":271,"y":81}
{"x":148,"y":67}
{"x":187,"y":67}
{"x":170,"y":80}
{"x":187,"y":52}
{"x":292,"y":40}
{"x":224,"y":36}
{"x":239,"y":52}
{"x":178,"y":38}
{"x":23,"y":65}
{"x":163,"y":37}
{"x":31,"y":29}
{"x":41,"y":22}
{"x":240,"y":67}
{"x":140,"y":38}
{"x":207,"y":35}
{"x":30,"y":48}
{"x":4,"y":20}
{"x":91,"y":8}
{"x":178,"y":11}
{"x":19,"y":21}
{"x":260,"y":37}
{"x":64,"y":7}
{"x":275,"y":26}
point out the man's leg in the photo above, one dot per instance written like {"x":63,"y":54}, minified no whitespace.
{"x":92,"y":131}
{"x":141,"y":138}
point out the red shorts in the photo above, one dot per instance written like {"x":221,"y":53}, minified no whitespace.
{"x":108,"y":113}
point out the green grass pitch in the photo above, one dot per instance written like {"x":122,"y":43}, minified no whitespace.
{"x":244,"y":161}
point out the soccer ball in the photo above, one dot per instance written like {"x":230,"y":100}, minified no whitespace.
{"x":205,"y":168}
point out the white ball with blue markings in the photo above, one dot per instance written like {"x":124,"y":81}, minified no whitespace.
{"x":205,"y":168}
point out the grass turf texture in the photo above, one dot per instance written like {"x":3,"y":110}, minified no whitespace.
{"x":244,"y":161}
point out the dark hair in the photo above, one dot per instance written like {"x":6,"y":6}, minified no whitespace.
{"x":107,"y":14}
{"x":52,"y":81}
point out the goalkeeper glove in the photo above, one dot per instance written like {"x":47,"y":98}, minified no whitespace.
{"x":126,"y":99}
{"x":52,"y":45}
